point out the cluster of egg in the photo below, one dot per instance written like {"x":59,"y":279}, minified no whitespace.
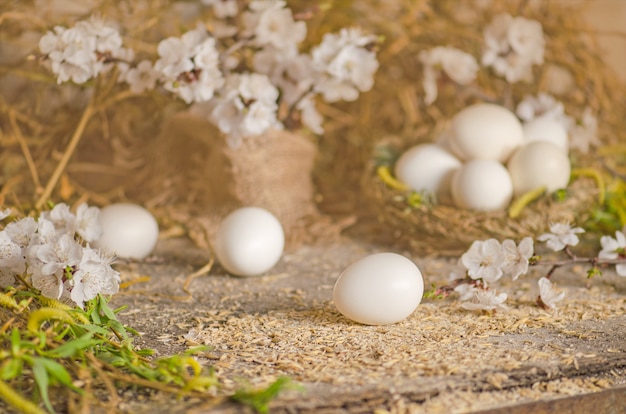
{"x":488,"y":157}
{"x":249,"y":240}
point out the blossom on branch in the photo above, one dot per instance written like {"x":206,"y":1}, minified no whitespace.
{"x":83,"y":51}
{"x":52,"y":252}
{"x":486,"y":300}
{"x":189,"y":65}
{"x":542,"y":105}
{"x":614,"y":248}
{"x":516,"y":257}
{"x":93,"y":276}
{"x":548,"y":294}
{"x":459,"y":66}
{"x":483,"y":260}
{"x":141,"y":78}
{"x":513,"y":46}
{"x":247,"y":106}
{"x":272,"y":24}
{"x":223,"y":8}
{"x":346,"y":65}
{"x":584,"y":133}
{"x":561,"y":235}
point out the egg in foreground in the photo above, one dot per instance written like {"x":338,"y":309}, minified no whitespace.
{"x":379,"y":289}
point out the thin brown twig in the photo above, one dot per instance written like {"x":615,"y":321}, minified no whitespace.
{"x":200,"y":272}
{"x":96,"y":364}
{"x":69,"y":151}
{"x":23,"y":16}
{"x":25,"y":150}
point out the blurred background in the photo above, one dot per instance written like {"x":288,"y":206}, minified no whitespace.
{"x":609,"y":17}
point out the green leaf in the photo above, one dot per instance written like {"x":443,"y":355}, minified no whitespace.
{"x":42,"y":380}
{"x":104,"y":307}
{"x":75,"y":346}
{"x":593,"y":272}
{"x":259,"y":400}
{"x":11,"y":368}
{"x":59,"y":373}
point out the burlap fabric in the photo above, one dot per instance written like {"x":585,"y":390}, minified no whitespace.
{"x":194,"y":168}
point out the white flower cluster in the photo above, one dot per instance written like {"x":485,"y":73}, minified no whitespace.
{"x":513,"y":46}
{"x":247,"y":106}
{"x":561,"y":235}
{"x":545,"y":107}
{"x":489,"y":260}
{"x":242,"y":74}
{"x":486,"y":262}
{"x":189,"y":66}
{"x":459,"y":66}
{"x":84,"y":51}
{"x":345,"y":65}
{"x":54,"y":253}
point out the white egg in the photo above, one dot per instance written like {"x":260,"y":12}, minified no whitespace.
{"x":379,"y":289}
{"x":249,"y":241}
{"x":128,"y":230}
{"x":483,"y":185}
{"x":537,"y":164}
{"x":486,"y":132}
{"x":427,"y":167}
{"x":546,"y":129}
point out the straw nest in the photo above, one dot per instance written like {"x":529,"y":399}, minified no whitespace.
{"x":398,"y":118}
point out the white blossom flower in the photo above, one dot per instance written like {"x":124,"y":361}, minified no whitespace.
{"x":461,"y":67}
{"x":93,"y":276}
{"x":11,"y":257}
{"x":272,"y":24}
{"x":62,"y":218}
{"x":309,"y":116}
{"x":292,"y":73}
{"x":516,"y":257}
{"x":56,"y":257}
{"x":223,"y":8}
{"x":466,"y":291}
{"x":486,"y":300}
{"x":346,"y":65}
{"x":614,"y":248}
{"x":247,"y":106}
{"x":548,"y":294}
{"x":584,"y":134}
{"x":483,"y":260}
{"x":189,"y":65}
{"x":513,"y":46}
{"x":71,"y":53}
{"x":22,"y":231}
{"x":83,"y":51}
{"x":560,"y":236}
{"x":46,"y":233}
{"x":50,"y":286}
{"x":543,"y":105}
{"x":88,"y":224}
{"x":141,"y":78}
